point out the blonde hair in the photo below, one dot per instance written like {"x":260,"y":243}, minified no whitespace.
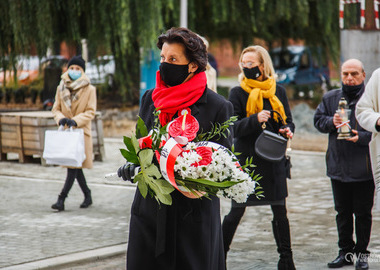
{"x":264,"y":59}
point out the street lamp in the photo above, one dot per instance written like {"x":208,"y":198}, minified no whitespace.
{"x":183,"y":20}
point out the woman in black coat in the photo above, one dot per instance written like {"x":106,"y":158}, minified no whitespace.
{"x":253,"y":101}
{"x":188,"y":233}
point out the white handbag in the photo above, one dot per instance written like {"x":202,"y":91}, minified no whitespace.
{"x":64,"y":147}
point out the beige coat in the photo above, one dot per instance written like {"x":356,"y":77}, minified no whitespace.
{"x":82,"y":112}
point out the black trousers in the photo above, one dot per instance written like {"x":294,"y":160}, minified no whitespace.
{"x":353,"y":199}
{"x":232,"y":220}
{"x":73,"y":174}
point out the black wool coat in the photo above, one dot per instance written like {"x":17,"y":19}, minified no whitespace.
{"x":346,"y":161}
{"x":187,"y":234}
{"x":246,"y":132}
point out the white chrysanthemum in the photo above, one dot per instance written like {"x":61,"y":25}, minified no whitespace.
{"x":223,"y":167}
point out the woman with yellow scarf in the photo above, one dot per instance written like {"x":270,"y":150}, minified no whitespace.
{"x":253,"y":101}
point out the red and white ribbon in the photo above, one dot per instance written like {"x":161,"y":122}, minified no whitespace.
{"x":346,"y":123}
{"x":169,"y":154}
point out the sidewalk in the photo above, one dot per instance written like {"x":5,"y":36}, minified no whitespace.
{"x":33,"y":236}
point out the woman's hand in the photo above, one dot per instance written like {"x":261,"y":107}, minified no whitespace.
{"x":286,"y":132}
{"x":71,"y":123}
{"x":128,"y":171}
{"x":263,"y":116}
{"x":63,"y":121}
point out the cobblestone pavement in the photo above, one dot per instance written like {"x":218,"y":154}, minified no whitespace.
{"x":32,"y":232}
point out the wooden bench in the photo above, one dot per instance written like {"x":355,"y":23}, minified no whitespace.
{"x":24,"y":133}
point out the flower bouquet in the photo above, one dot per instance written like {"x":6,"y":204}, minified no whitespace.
{"x":174,"y":157}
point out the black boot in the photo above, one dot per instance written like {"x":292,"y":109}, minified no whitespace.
{"x":87,"y":200}
{"x":282,"y":236}
{"x":59,"y":205}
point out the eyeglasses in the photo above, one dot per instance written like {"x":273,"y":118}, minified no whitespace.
{"x":247,"y":64}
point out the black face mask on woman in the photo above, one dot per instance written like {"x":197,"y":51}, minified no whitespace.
{"x":173,"y":75}
{"x":252,"y":73}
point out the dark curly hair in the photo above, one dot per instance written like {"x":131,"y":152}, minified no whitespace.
{"x":195,"y":49}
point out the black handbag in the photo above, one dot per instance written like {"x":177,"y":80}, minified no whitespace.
{"x":271,"y":146}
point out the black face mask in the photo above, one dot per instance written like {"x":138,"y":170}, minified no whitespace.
{"x":352,"y":90}
{"x":252,"y":73}
{"x":173,"y":75}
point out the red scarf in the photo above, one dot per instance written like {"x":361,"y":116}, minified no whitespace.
{"x":170,"y":100}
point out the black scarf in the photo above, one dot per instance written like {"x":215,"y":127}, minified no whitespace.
{"x":352,"y":92}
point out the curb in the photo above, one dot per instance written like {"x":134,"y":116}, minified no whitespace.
{"x":78,"y":257}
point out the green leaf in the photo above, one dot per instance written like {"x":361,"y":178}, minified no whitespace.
{"x":217,"y":130}
{"x":146,"y":157}
{"x":162,"y":191}
{"x":142,"y":185}
{"x":128,"y":144}
{"x":164,"y":186}
{"x":225,"y":184}
{"x":131,"y":157}
{"x":152,"y":171}
{"x":256,"y":177}
{"x":135,"y":144}
{"x":138,"y":177}
{"x":163,"y":129}
{"x":141,"y":129}
{"x":164,"y":198}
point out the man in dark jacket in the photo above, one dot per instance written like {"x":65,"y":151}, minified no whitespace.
{"x":348,"y":166}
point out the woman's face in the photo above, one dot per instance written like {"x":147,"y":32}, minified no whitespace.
{"x":251,"y":60}
{"x":174,"y":53}
{"x":76,"y":67}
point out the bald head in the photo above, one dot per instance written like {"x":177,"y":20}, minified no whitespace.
{"x":352,"y":72}
{"x":353,"y":63}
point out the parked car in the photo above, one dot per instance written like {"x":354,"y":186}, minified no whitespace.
{"x":27,"y":70}
{"x":54,"y":61}
{"x":298,"y":66}
{"x":101,"y":70}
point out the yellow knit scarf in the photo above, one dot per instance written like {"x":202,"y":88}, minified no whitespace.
{"x":258,"y":90}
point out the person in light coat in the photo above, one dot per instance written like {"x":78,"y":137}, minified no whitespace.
{"x":368,"y":116}
{"x":75,"y":106}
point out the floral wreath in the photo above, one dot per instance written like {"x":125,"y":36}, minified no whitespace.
{"x":175,"y":157}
